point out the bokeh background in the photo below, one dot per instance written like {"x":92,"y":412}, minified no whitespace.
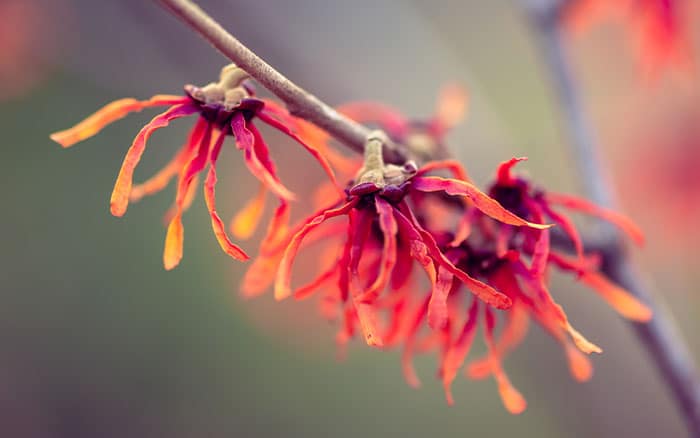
{"x":97,"y":340}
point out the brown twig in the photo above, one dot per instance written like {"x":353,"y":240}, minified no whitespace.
{"x":660,"y":337}
{"x":299,"y":102}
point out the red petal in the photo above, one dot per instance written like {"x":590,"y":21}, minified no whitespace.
{"x":513,"y":400}
{"x":210,"y":199}
{"x":249,"y":140}
{"x":311,"y":149}
{"x":122,"y":188}
{"x":483,"y":202}
{"x":437,"y":308}
{"x":283,"y":278}
{"x":108,"y":114}
{"x":387,"y":223}
{"x":503,"y":173}
{"x":568,"y":226}
{"x":482,"y":290}
{"x":587,"y":207}
{"x":409,"y":345}
{"x":458,"y":352}
{"x":172,"y":254}
{"x":453,"y":166}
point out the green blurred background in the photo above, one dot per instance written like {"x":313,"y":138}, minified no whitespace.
{"x":97,"y":340}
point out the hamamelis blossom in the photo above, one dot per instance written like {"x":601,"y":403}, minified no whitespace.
{"x":383,"y":238}
{"x":660,"y":29}
{"x":227,"y":107}
{"x":516,"y":261}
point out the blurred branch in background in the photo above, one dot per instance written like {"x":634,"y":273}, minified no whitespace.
{"x":660,"y":336}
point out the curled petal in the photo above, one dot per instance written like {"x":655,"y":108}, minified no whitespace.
{"x":581,"y":342}
{"x":452,"y":166}
{"x":250,"y":141}
{"x":387,"y":223}
{"x":108,"y":114}
{"x":481,"y":201}
{"x":503,"y":173}
{"x":122,"y":188}
{"x":246,"y":220}
{"x":161,"y":179}
{"x":587,"y":207}
{"x":283,"y":278}
{"x":568,"y":226}
{"x":482,"y":290}
{"x":210,"y":199}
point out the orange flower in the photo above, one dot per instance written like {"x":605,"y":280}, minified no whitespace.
{"x":225,"y":108}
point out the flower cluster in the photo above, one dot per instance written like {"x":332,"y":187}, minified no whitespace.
{"x":485,"y":256}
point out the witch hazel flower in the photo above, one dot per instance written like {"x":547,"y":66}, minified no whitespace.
{"x":224,"y":108}
{"x":384,"y":238}
{"x":516,"y":261}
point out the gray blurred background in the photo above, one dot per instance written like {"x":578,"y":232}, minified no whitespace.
{"x":97,"y":340}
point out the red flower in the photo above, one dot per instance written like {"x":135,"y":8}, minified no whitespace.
{"x":224,"y":108}
{"x":660,"y":28}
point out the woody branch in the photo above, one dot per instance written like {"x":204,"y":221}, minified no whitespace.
{"x":660,"y":336}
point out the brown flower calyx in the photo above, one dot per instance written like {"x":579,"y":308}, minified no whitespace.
{"x":228,"y":92}
{"x":375,"y":171}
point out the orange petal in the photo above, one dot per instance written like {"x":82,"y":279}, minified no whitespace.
{"x":109,"y":114}
{"x":451,"y":108}
{"x":586,"y":206}
{"x":210,"y":199}
{"x":581,"y":342}
{"x":122,"y":188}
{"x":621,"y":300}
{"x":246,"y":220}
{"x":482,"y":201}
{"x":409,"y":371}
{"x":579,"y":364}
{"x":172,"y":253}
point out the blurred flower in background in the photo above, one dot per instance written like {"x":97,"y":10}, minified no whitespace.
{"x":658,"y":30}
{"x":30,"y":39}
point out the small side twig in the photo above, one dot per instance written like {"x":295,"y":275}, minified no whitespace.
{"x":660,"y":336}
{"x":299,"y":102}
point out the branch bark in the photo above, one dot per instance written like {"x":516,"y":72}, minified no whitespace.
{"x":299,"y":102}
{"x":660,"y":336}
